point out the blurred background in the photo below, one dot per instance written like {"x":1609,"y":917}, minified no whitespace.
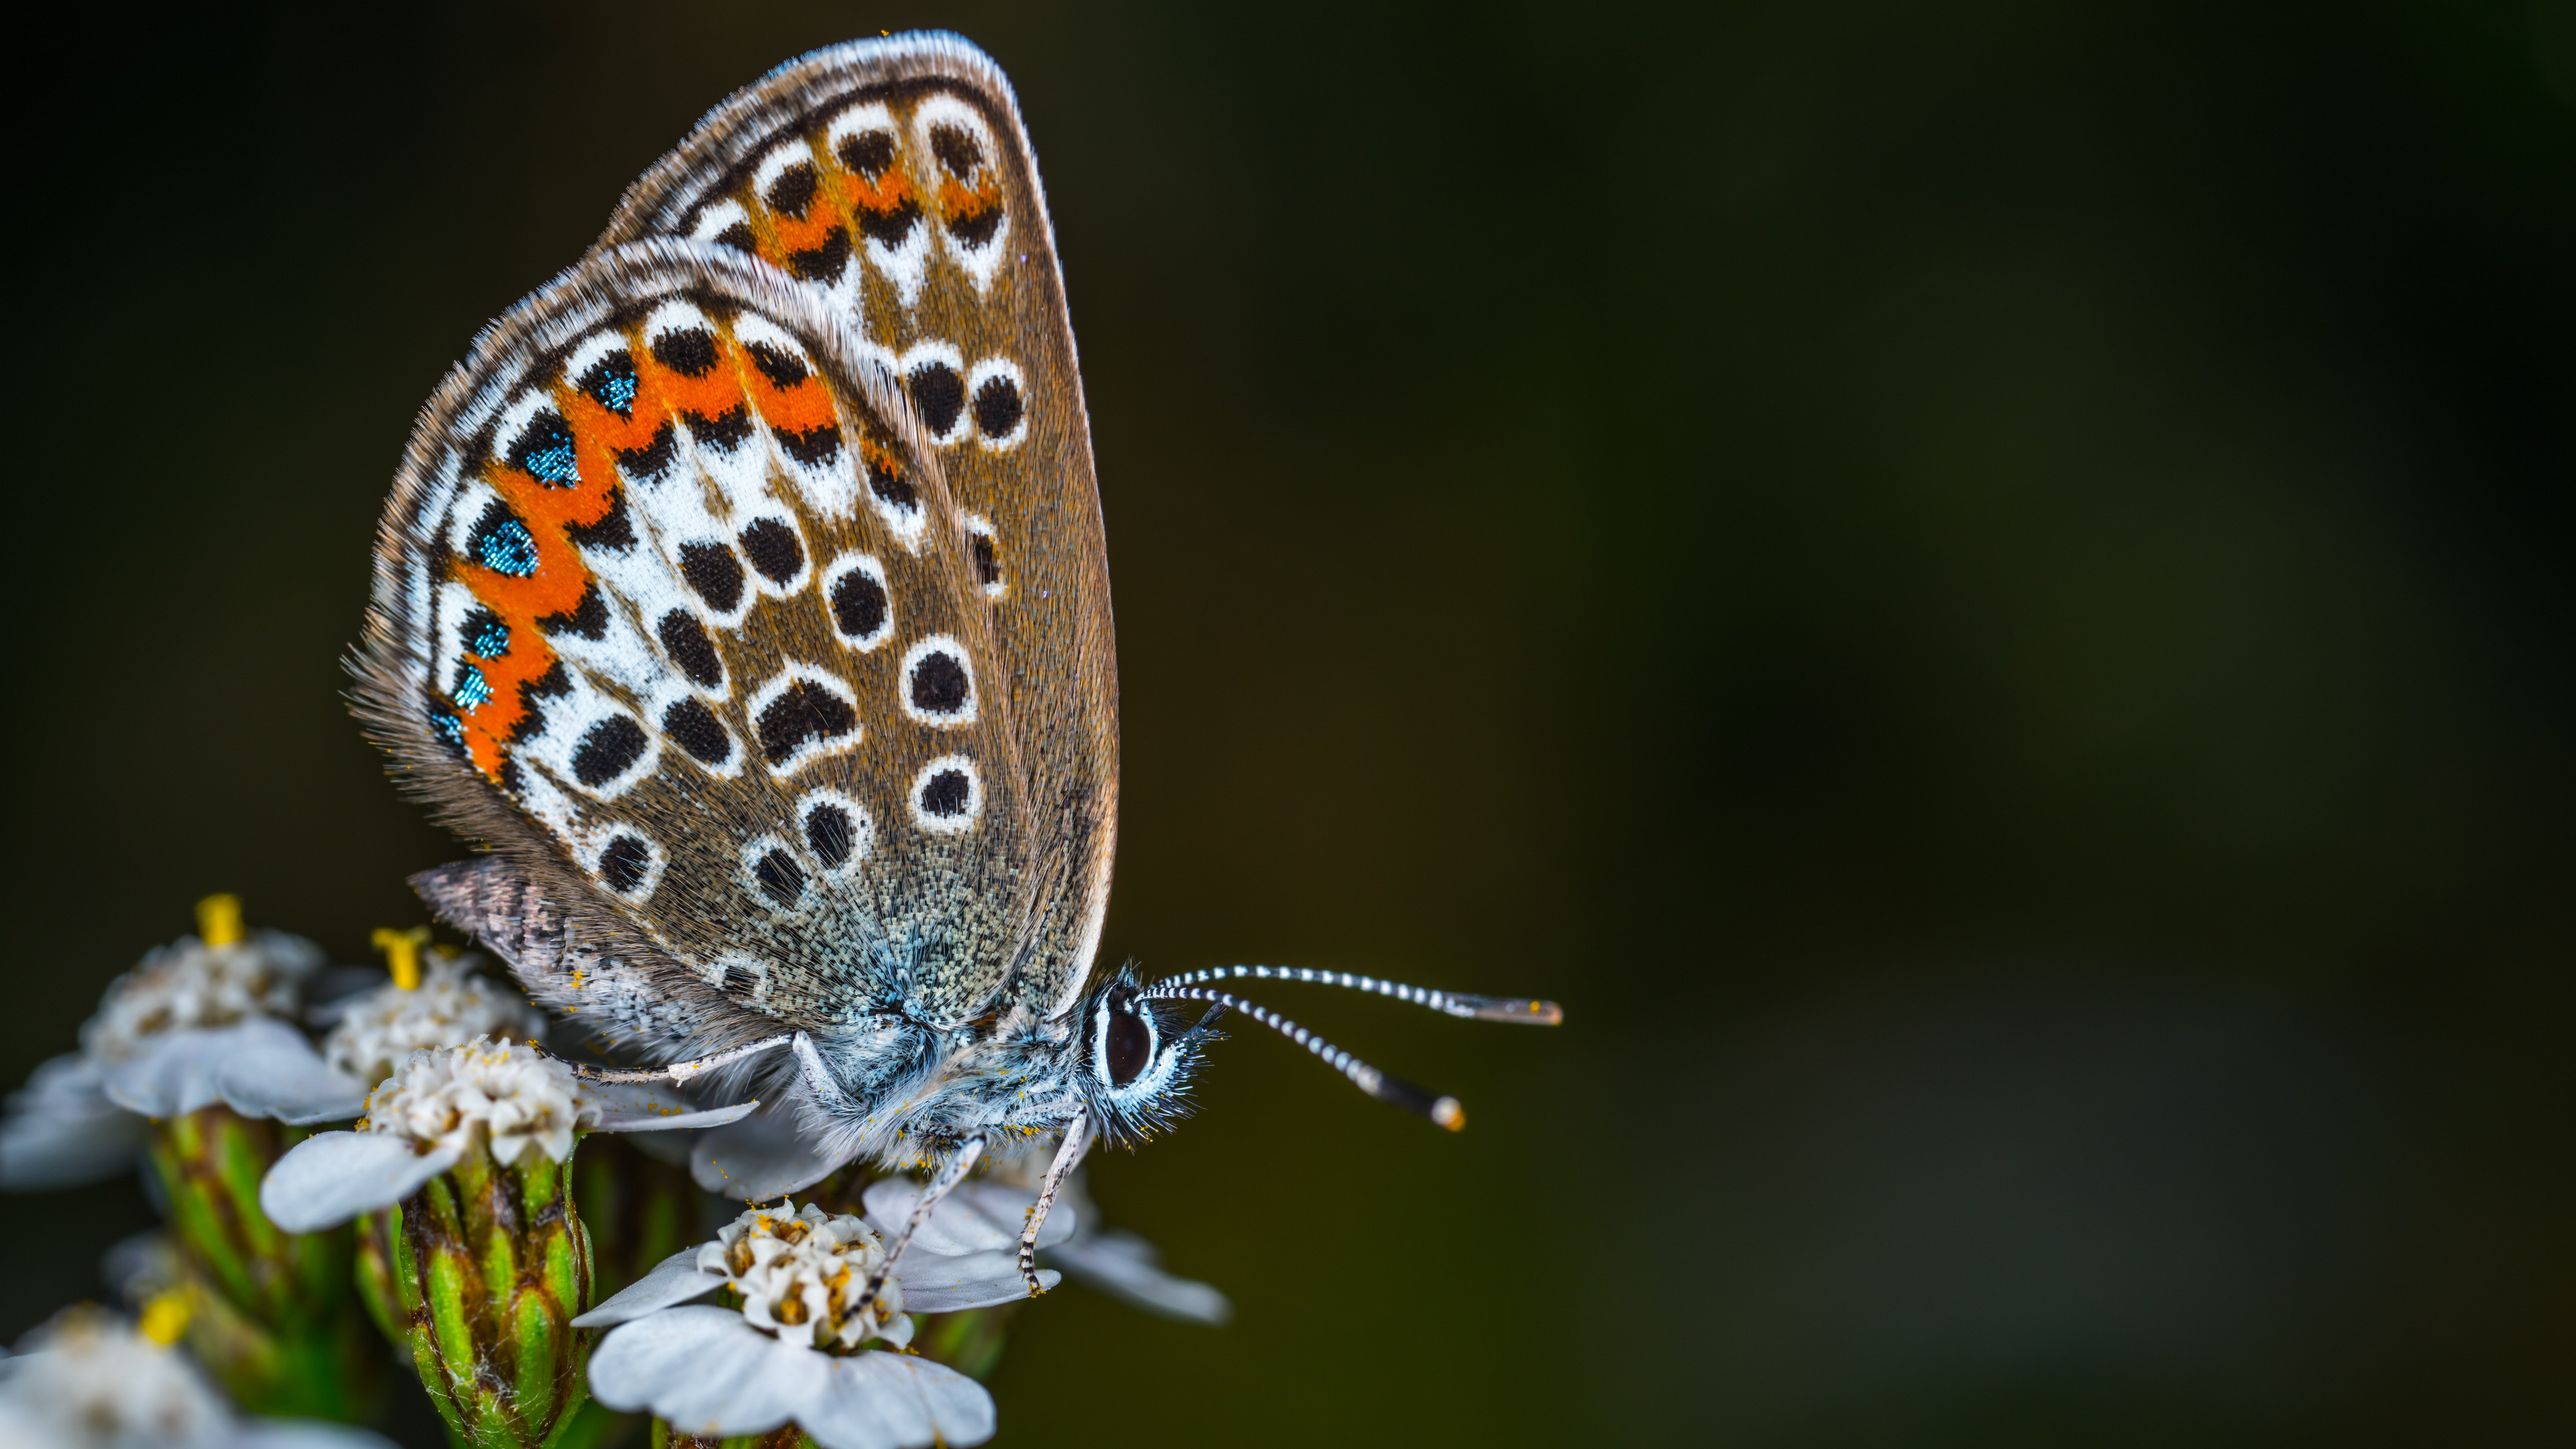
{"x":1981,"y":590}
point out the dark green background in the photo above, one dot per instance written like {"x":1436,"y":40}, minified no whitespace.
{"x":1982,"y":590}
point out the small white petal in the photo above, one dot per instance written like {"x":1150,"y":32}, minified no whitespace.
{"x":650,"y":1107}
{"x":272,"y":1071}
{"x":174,"y":1073}
{"x":676,"y":1279}
{"x":979,"y":1217}
{"x":1123,"y":1265}
{"x":895,"y":1401}
{"x":968,"y":1280}
{"x":62,"y":1131}
{"x":331,"y":1177}
{"x":761,"y":1157}
{"x":707,"y":1372}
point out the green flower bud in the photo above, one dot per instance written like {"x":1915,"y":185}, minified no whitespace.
{"x":271,"y":1316}
{"x":490,"y":1263}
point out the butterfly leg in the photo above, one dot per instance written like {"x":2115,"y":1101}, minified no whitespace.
{"x":1077,"y":1141}
{"x":941,"y":1184}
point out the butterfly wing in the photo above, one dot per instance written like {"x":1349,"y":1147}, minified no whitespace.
{"x":895,"y":178}
{"x":673,"y":607}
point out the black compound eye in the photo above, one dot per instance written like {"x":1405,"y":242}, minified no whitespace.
{"x":1128,"y":1043}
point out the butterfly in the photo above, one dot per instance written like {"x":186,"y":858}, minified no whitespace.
{"x":744,"y":592}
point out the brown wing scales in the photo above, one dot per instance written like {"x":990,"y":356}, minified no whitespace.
{"x":915,"y":154}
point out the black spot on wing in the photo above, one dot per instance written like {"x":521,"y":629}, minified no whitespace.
{"x":815,"y":447}
{"x":828,"y":833}
{"x":613,"y":530}
{"x":868,"y":153}
{"x":792,"y":190}
{"x":696,"y":728}
{"x":988,"y":567}
{"x":997,"y":407}
{"x":772,"y":547}
{"x":823,"y":262}
{"x":725,"y":430}
{"x":587,"y":619}
{"x":858,"y":604}
{"x":738,"y":236}
{"x":690,"y":352}
{"x":781,"y":878}
{"x":889,"y":228}
{"x":803,"y":711}
{"x":887,"y":483}
{"x":957,"y":150}
{"x":624,"y":863}
{"x":714,"y":572}
{"x":653,"y":459}
{"x":940,"y":394}
{"x":783,"y":368}
{"x":976,"y":228}
{"x":939,"y":684}
{"x":946,"y":794}
{"x":607,"y":749}
{"x":686,"y":641}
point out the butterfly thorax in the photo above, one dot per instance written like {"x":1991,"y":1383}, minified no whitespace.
{"x":906,"y":1096}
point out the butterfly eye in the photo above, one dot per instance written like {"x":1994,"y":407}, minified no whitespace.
{"x":1126,"y":1042}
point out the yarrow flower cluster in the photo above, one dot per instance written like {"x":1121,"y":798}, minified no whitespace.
{"x":191,"y":985}
{"x":89,"y":1380}
{"x":800,"y":1274}
{"x":794,"y":1351}
{"x":379,"y":1031}
{"x":520,"y":1099}
{"x":423,"y":1119}
{"x":198,"y":1022}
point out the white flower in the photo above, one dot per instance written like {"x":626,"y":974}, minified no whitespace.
{"x":786,"y":1353}
{"x":197,"y":1022}
{"x":190,"y":985}
{"x":799,"y":1274}
{"x":422,"y":1120}
{"x":62,"y":1130}
{"x":519,"y":1098}
{"x":88,"y":1380}
{"x":377,"y":1031}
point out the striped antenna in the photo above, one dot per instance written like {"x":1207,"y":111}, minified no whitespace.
{"x":1454,"y":1003}
{"x":1443,"y":1110}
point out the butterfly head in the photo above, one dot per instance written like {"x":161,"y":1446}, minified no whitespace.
{"x":1134,"y":1066}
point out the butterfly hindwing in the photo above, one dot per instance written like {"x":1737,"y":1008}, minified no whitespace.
{"x":895,"y":180}
{"x":672,"y":609}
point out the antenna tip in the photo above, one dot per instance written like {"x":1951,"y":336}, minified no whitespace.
{"x":1513,"y":1008}
{"x":1449,"y":1114}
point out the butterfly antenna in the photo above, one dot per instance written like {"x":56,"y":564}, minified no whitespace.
{"x":1454,"y":1003}
{"x":1442,"y":1110}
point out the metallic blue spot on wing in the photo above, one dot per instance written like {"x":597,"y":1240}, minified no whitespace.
{"x":544,"y":451}
{"x":501,"y":543}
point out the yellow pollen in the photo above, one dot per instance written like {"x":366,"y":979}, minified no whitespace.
{"x":219,"y":919}
{"x":402,"y":953}
{"x":165,"y":1318}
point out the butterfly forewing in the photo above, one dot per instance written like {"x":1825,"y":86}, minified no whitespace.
{"x":895,"y":180}
{"x":671,"y":608}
